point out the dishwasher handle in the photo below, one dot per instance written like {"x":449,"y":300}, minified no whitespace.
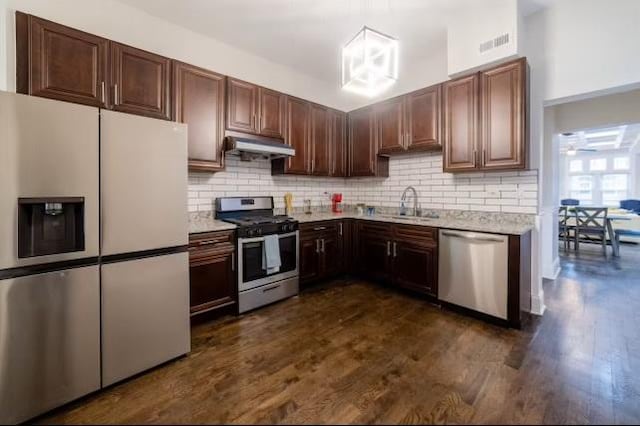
{"x":483,"y":239}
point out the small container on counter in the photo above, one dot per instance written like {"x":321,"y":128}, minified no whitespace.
{"x":371,"y":210}
{"x":307,"y":206}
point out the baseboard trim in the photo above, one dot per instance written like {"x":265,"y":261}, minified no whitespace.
{"x":537,"y":306}
{"x":555,"y":270}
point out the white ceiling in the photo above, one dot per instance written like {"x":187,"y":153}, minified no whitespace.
{"x":602,"y":139}
{"x":307,"y":35}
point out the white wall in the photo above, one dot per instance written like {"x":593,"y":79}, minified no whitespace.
{"x":418,"y":74}
{"x":588,"y":46}
{"x":119,"y":22}
{"x":602,"y":111}
{"x":478,"y":22}
{"x":576,"y":49}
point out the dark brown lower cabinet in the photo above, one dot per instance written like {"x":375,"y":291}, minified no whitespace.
{"x":415,"y":259}
{"x":321,"y":250}
{"x":309,"y":258}
{"x":400,"y":255}
{"x":373,"y":250}
{"x":212,"y":274}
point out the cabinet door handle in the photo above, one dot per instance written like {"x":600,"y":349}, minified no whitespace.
{"x":388,"y":248}
{"x":340,"y":228}
{"x":323,"y":245}
{"x":317,"y":246}
{"x":395,"y":249}
{"x":102,"y":89}
{"x":115,"y":94}
{"x":233,"y":261}
{"x":319,"y":228}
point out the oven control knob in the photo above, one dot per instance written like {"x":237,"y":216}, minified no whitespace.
{"x":251,"y":232}
{"x":259,"y":231}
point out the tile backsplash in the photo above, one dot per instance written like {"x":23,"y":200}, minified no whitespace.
{"x":506,"y":192}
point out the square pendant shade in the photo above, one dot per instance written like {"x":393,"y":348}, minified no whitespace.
{"x":369,"y":63}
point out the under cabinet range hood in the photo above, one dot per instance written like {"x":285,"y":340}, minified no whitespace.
{"x":250,"y":147}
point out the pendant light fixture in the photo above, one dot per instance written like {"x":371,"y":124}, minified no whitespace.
{"x":369,"y":63}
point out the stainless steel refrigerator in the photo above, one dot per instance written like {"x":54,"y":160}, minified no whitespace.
{"x":93,"y":263}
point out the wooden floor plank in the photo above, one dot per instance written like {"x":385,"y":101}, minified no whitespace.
{"x":356,"y":352}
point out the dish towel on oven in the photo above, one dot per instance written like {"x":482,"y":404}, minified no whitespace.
{"x":271,"y":254}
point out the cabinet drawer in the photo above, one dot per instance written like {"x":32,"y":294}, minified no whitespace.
{"x":325,"y":227}
{"x":211,"y":238}
{"x":416,"y":234}
{"x":261,"y":296}
{"x":383,"y":230}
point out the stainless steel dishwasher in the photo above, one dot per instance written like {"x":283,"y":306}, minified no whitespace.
{"x":473,"y":271}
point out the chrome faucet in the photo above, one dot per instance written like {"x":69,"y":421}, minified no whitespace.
{"x":403,"y":208}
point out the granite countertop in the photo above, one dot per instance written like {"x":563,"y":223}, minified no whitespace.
{"x":476,"y":224}
{"x":206,"y":222}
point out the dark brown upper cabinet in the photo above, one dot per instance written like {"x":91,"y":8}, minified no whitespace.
{"x":411,"y":122}
{"x":242,"y":106}
{"x":271,"y":113}
{"x":363,"y":149}
{"x":461,"y":124}
{"x":297,"y":135}
{"x":198,"y":101}
{"x":140,"y":82}
{"x":389,"y":117}
{"x":254,"y":109}
{"x":503,"y":120}
{"x":423,"y":116}
{"x":320,"y":143}
{"x":58,"y":62}
{"x":486,"y":120}
{"x":338,"y":140}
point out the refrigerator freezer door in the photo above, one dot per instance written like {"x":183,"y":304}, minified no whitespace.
{"x":47,"y":149}
{"x":145,"y":314}
{"x":49,"y":341}
{"x":143,"y":183}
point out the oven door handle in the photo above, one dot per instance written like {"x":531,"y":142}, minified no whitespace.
{"x":261,"y":239}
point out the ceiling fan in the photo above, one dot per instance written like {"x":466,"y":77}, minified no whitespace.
{"x":572,"y":147}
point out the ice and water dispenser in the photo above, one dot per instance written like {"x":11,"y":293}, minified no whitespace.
{"x":49,"y":226}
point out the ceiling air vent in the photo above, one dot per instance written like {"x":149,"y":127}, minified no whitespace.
{"x":496,"y":42}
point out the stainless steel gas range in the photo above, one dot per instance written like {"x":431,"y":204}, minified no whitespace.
{"x":256,"y":221}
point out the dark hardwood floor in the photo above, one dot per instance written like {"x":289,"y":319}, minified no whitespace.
{"x":355,"y":352}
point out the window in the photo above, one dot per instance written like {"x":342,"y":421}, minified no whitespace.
{"x":575,"y":166}
{"x":582,"y":189}
{"x":621,"y":163}
{"x":598,"y":179}
{"x":598,"y":164}
{"x":614,"y":189}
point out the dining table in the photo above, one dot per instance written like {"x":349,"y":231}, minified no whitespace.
{"x":612,"y":237}
{"x":617,"y":215}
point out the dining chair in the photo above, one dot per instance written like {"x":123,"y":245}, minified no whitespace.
{"x":591,"y":226}
{"x":632,"y":205}
{"x":564,"y":226}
